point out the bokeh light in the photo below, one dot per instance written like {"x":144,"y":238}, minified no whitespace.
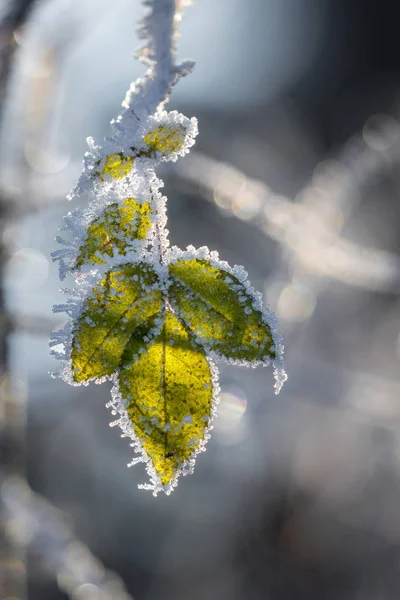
{"x":229,"y":427}
{"x":27,"y":270}
{"x":296,"y":303}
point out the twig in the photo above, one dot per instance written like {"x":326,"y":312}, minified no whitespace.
{"x":159,"y":31}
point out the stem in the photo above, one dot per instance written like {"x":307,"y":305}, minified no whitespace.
{"x":160,"y":32}
{"x":161,"y":221}
{"x":160,"y":27}
{"x":159,"y":229}
{"x":164,"y":383}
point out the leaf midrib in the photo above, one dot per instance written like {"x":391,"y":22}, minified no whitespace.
{"x":163,"y":390}
{"x":207,"y":303}
{"x":121,"y":316}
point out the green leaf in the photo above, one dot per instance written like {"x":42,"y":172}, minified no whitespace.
{"x":217,"y":308}
{"x":168,"y":395}
{"x":121,"y":311}
{"x":116,"y":166}
{"x":115,"y":228}
{"x":165,"y":139}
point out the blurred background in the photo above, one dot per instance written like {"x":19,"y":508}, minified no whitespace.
{"x":295,"y":175}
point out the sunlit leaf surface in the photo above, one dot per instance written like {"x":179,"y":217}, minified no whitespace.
{"x":121,"y":310}
{"x":116,"y":166}
{"x":115,"y":229}
{"x":165,"y":139}
{"x":219,"y":311}
{"x":169,"y":395}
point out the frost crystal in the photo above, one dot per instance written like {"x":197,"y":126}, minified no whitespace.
{"x":152,"y":319}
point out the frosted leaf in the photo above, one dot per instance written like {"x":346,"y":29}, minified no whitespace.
{"x":101,"y":339}
{"x":167,"y":383}
{"x":114,"y":231}
{"x":213,"y":310}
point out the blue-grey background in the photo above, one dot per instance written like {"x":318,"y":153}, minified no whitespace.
{"x":297,"y":496}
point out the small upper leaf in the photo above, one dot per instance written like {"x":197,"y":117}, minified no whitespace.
{"x":218,"y":309}
{"x":165,"y":139}
{"x":114,"y":229}
{"x":168,"y":395}
{"x":122,"y":309}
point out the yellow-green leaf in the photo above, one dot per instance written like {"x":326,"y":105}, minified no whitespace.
{"x":115,"y":229}
{"x":121,"y":310}
{"x":165,"y":139}
{"x":116,"y":166}
{"x":168,"y":395}
{"x":217,"y":308}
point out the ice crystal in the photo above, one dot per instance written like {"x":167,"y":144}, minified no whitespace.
{"x":152,"y":319}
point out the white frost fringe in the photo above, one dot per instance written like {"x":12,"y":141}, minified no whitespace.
{"x":117,"y":406}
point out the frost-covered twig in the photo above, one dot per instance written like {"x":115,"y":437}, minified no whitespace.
{"x":159,"y":30}
{"x":153,"y":319}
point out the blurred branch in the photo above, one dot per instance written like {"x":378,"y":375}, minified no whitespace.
{"x":310,"y":235}
{"x":13,"y":14}
{"x":32,"y":324}
{"x":31,"y":521}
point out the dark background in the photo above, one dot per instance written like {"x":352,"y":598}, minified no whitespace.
{"x":297,"y":496}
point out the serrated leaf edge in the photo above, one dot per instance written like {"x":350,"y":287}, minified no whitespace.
{"x":175,"y":254}
{"x":118,"y":407}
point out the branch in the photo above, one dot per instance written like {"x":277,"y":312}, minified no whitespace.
{"x":159,"y":29}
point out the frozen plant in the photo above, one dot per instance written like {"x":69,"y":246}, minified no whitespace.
{"x":152,"y":319}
